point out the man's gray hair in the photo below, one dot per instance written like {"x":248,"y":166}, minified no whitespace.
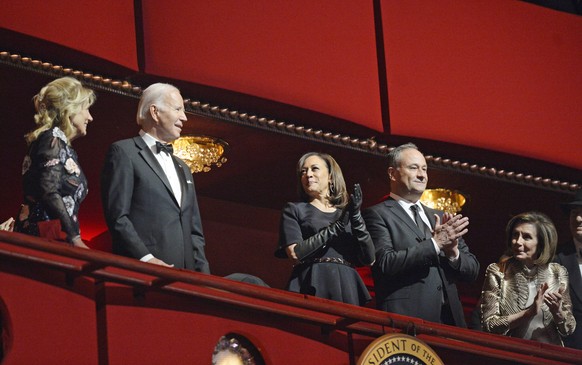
{"x":394,"y":155}
{"x":153,"y":94}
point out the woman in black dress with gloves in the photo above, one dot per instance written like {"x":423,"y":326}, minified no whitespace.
{"x":325,"y":234}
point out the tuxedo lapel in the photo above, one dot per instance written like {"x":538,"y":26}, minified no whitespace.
{"x":150,"y":159}
{"x":185,"y":180}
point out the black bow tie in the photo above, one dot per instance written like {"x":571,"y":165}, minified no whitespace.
{"x":165,"y":147}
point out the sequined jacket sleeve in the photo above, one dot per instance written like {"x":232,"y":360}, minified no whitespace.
{"x":491,"y":297}
{"x":505,"y":292}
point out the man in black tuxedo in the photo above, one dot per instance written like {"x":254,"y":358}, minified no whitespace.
{"x":148,"y":194}
{"x":420,"y":252}
{"x":569,"y":255}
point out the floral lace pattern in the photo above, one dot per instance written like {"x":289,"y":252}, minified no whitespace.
{"x":52,"y":162}
{"x":54,"y":184}
{"x":72,"y":167}
{"x":26,"y":164}
{"x":57,"y":132}
{"x":69,"y":204}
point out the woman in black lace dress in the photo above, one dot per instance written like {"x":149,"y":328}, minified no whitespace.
{"x":325,"y":234}
{"x":54,"y":184}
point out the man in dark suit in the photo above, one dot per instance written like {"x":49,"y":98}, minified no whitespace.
{"x":569,"y":255}
{"x":148,"y":194}
{"x":420,"y":252}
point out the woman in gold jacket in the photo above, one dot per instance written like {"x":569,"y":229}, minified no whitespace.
{"x":525,"y":295}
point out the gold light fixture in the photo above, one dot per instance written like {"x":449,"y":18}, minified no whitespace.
{"x":200,"y":152}
{"x":449,"y":201}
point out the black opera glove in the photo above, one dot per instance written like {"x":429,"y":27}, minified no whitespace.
{"x":319,"y":240}
{"x":367,"y":251}
{"x":355,"y":200}
{"x":354,"y":206}
{"x":359,"y":231}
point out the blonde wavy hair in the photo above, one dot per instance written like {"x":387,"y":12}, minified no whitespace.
{"x":56,"y":102}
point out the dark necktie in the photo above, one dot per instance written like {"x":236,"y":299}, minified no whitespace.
{"x":164,"y":147}
{"x":419,"y":222}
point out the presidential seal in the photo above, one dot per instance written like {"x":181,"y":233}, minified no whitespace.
{"x":399,"y":349}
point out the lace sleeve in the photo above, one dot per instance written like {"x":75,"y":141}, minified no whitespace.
{"x":52,"y":156}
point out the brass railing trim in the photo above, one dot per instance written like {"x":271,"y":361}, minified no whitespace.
{"x":368,"y":145}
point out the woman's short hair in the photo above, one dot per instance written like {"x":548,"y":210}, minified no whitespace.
{"x":153,"y":94}
{"x":546,"y":234}
{"x":338,"y":194}
{"x":56,"y":102}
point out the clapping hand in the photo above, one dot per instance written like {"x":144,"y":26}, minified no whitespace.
{"x":367,"y":252}
{"x":554,"y":300}
{"x":539,"y":299}
{"x":352,"y":209}
{"x":447,"y":233}
{"x":355,"y":200}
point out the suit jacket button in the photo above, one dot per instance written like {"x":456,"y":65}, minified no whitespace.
{"x":439,"y":288}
